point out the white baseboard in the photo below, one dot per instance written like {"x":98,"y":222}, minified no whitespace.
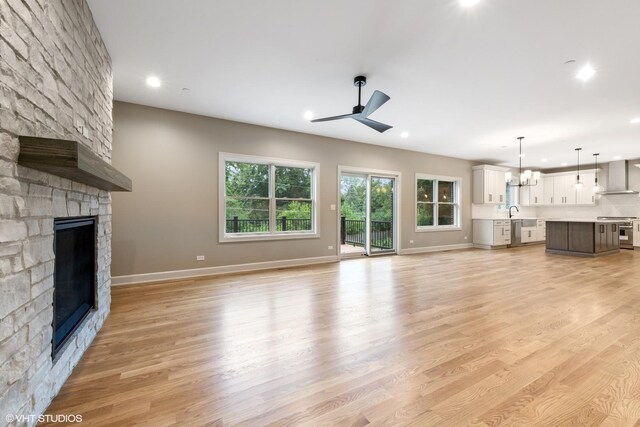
{"x":441,"y":248}
{"x":215,"y":271}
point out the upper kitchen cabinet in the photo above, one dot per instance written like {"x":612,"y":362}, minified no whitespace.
{"x":585,"y":195}
{"x":560,"y":189}
{"x":564,"y":190}
{"x":489,"y":184}
{"x":547,"y":188}
{"x":533,"y":195}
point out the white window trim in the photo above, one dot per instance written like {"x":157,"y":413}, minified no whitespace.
{"x":458,"y":193}
{"x":224,"y":237}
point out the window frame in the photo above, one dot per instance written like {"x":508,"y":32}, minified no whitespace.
{"x":272,"y":234}
{"x":456,"y":204}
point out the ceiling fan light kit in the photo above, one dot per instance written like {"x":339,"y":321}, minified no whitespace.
{"x":361,"y":113}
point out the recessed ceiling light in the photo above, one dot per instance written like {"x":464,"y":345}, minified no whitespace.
{"x":404,"y":135}
{"x":469,"y":3}
{"x":544,"y":160}
{"x":308,"y":115}
{"x":153,"y":81}
{"x":635,"y":120}
{"x":617,"y":157}
{"x":585,"y":73}
{"x":564,"y":164}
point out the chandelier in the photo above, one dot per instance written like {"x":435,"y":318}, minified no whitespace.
{"x":528,"y":178}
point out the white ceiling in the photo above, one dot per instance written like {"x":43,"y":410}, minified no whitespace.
{"x":463,"y":82}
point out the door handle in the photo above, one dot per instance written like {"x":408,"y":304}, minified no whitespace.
{"x":593,"y":199}
{"x":490,"y":198}
{"x":535,"y":200}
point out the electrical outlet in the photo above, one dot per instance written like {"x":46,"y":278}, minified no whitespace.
{"x":465,"y":237}
{"x":411,"y":241}
{"x":330,"y":248}
{"x":200,"y":258}
{"x":332,"y":207}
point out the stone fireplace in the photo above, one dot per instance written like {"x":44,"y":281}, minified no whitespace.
{"x":55,"y":82}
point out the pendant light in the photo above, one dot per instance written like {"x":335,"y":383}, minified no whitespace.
{"x":578,"y":184}
{"x":524,"y":178}
{"x":596,"y":186}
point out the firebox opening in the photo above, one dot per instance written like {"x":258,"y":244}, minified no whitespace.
{"x":74,"y":276}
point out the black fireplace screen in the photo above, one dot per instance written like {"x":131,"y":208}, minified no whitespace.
{"x":74,"y":277}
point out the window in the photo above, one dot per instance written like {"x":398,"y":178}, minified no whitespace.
{"x":267,"y":198}
{"x":437,"y":203}
{"x":512,"y":196}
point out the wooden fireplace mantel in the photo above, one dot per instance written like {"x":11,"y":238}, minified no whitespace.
{"x":71,"y":160}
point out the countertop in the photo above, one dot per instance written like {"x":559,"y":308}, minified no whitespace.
{"x":593,"y":220}
{"x":507,"y":219}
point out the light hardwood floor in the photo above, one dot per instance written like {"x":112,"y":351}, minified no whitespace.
{"x":486,"y":338}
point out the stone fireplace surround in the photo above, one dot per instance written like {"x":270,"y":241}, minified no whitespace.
{"x":55,"y":82}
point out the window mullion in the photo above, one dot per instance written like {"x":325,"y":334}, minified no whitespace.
{"x":436,"y":200}
{"x":272,"y":199}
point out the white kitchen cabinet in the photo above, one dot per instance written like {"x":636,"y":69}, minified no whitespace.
{"x":586,"y":195}
{"x":547,"y":189}
{"x":489,"y":185}
{"x":541,"y":230}
{"x":491,"y":233}
{"x":528,"y":234}
{"x":533,"y":195}
{"x":564,"y":190}
{"x":636,"y":233}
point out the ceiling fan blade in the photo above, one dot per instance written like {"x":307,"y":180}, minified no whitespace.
{"x":328,"y":119}
{"x":380,"y":127}
{"x":376,"y":101}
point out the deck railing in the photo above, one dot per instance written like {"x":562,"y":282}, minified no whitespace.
{"x":237,"y":225}
{"x":353,"y":232}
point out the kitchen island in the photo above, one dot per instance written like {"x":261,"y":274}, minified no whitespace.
{"x":583,"y":237}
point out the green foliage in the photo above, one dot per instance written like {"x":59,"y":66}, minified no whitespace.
{"x":353,"y":198}
{"x":246,"y":179}
{"x":381,"y":199}
{"x":294,"y":209}
{"x":293,"y":183}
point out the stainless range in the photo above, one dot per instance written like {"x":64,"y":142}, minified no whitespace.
{"x":626,"y":229}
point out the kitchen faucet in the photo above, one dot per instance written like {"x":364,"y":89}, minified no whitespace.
{"x":517,"y":210}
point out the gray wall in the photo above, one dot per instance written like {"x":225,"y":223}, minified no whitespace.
{"x":172,"y":214}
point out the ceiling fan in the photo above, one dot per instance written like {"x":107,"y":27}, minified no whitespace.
{"x":361,"y":113}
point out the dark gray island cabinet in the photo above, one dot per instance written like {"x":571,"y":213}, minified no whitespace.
{"x":580,"y":237}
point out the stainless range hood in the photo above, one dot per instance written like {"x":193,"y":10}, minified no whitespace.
{"x":618,"y":179}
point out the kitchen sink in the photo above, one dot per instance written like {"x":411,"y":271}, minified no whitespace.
{"x":516,"y":229}
{"x":524,"y":222}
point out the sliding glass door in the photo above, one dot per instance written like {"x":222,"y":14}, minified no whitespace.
{"x":367,"y":214}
